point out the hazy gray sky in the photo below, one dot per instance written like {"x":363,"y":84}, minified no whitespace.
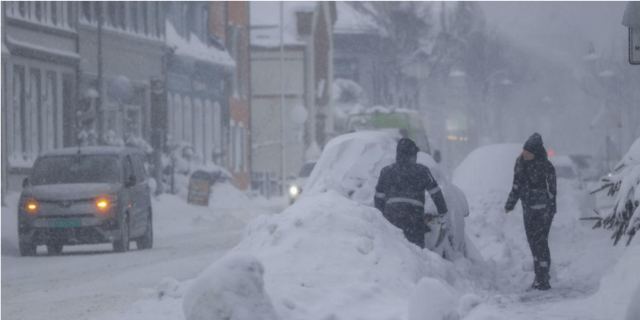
{"x":560,"y":30}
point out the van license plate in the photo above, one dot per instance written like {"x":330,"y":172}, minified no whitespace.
{"x":65,"y":223}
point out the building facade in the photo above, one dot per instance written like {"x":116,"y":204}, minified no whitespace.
{"x":122,"y":48}
{"x":197,"y":68}
{"x":231,"y":23}
{"x":39,"y":81}
{"x":299,"y":76}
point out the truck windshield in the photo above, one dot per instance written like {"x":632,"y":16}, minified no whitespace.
{"x":76,"y":169}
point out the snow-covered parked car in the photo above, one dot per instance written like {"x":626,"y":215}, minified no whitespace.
{"x":296,"y":185}
{"x":623,"y":187}
{"x":350,"y":164}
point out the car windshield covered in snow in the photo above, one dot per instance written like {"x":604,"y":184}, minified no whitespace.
{"x":76,"y":169}
{"x":306,"y":169}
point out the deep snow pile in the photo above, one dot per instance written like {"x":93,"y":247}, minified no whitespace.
{"x":230,"y":289}
{"x":328,"y":257}
{"x":350,"y":165}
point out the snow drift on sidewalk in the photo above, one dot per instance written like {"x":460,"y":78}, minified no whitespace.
{"x":328,"y":257}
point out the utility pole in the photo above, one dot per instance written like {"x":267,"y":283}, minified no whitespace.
{"x":99,"y":81}
{"x":282,"y":103}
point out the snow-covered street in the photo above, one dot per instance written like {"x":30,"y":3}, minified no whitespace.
{"x":90,"y":282}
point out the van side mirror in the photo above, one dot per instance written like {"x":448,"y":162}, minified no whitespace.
{"x":25,"y":182}
{"x":131,"y":181}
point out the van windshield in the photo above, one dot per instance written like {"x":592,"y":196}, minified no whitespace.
{"x":76,"y":169}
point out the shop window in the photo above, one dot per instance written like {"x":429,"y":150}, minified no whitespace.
{"x":188,"y":120}
{"x":87,"y":10}
{"x":133,"y":13}
{"x":19,"y":110}
{"x":36,"y":138}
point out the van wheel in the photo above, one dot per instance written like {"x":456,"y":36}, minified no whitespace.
{"x":122,"y":244}
{"x":146,"y":241}
{"x":54,"y":249}
{"x":27,"y":249}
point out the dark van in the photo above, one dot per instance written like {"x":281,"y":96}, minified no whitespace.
{"x":86,"y":195}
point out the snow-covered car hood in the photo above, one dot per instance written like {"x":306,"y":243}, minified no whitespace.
{"x":71,"y":191}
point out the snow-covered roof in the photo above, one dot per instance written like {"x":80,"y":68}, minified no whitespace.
{"x":35,"y":47}
{"x":195,"y":48}
{"x":350,"y":21}
{"x":265,"y":22}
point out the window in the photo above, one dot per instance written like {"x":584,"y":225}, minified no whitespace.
{"x":198,"y":126}
{"x":134,"y":16}
{"x":22,"y":8}
{"x":208,"y":128}
{"x":51,"y":110}
{"x":233,"y":51}
{"x":35,"y":111}
{"x":54,"y":13}
{"x":159,"y":19}
{"x":76,"y":169}
{"x":128,"y":168}
{"x":138,"y":166}
{"x":122,"y":15}
{"x":217,"y":126}
{"x":232,"y":146}
{"x":70,"y":14}
{"x":179,"y":121}
{"x":111,"y":13}
{"x":19,"y":112}
{"x":144,"y":17}
{"x":87,"y":12}
{"x":38,"y":10}
{"x":187,"y":132}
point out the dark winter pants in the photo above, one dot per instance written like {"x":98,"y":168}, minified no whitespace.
{"x":537,"y":224}
{"x":410,"y":219}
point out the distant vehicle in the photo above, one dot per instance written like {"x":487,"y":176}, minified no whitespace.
{"x":85,"y":196}
{"x":588,"y":167}
{"x":295,"y":187}
{"x":408,"y":123}
{"x":567,"y":170}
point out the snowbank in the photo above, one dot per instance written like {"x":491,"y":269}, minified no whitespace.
{"x":328,"y":257}
{"x":230,"y":289}
{"x":617,"y":295}
{"x":486,"y":177}
{"x":488,"y":169}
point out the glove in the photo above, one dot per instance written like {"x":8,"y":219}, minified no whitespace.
{"x":507,"y":210}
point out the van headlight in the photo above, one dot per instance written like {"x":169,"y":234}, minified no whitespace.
{"x":294,"y":191}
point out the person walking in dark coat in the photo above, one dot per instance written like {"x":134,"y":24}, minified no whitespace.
{"x":534,"y":184}
{"x":400,"y":193}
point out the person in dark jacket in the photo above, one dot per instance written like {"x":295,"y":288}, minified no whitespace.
{"x":400,"y":193}
{"x":534,"y":184}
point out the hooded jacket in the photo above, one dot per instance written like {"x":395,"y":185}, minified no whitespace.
{"x":534,"y":181}
{"x":406,"y":181}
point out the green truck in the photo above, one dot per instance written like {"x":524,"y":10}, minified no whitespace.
{"x":408,"y":122}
